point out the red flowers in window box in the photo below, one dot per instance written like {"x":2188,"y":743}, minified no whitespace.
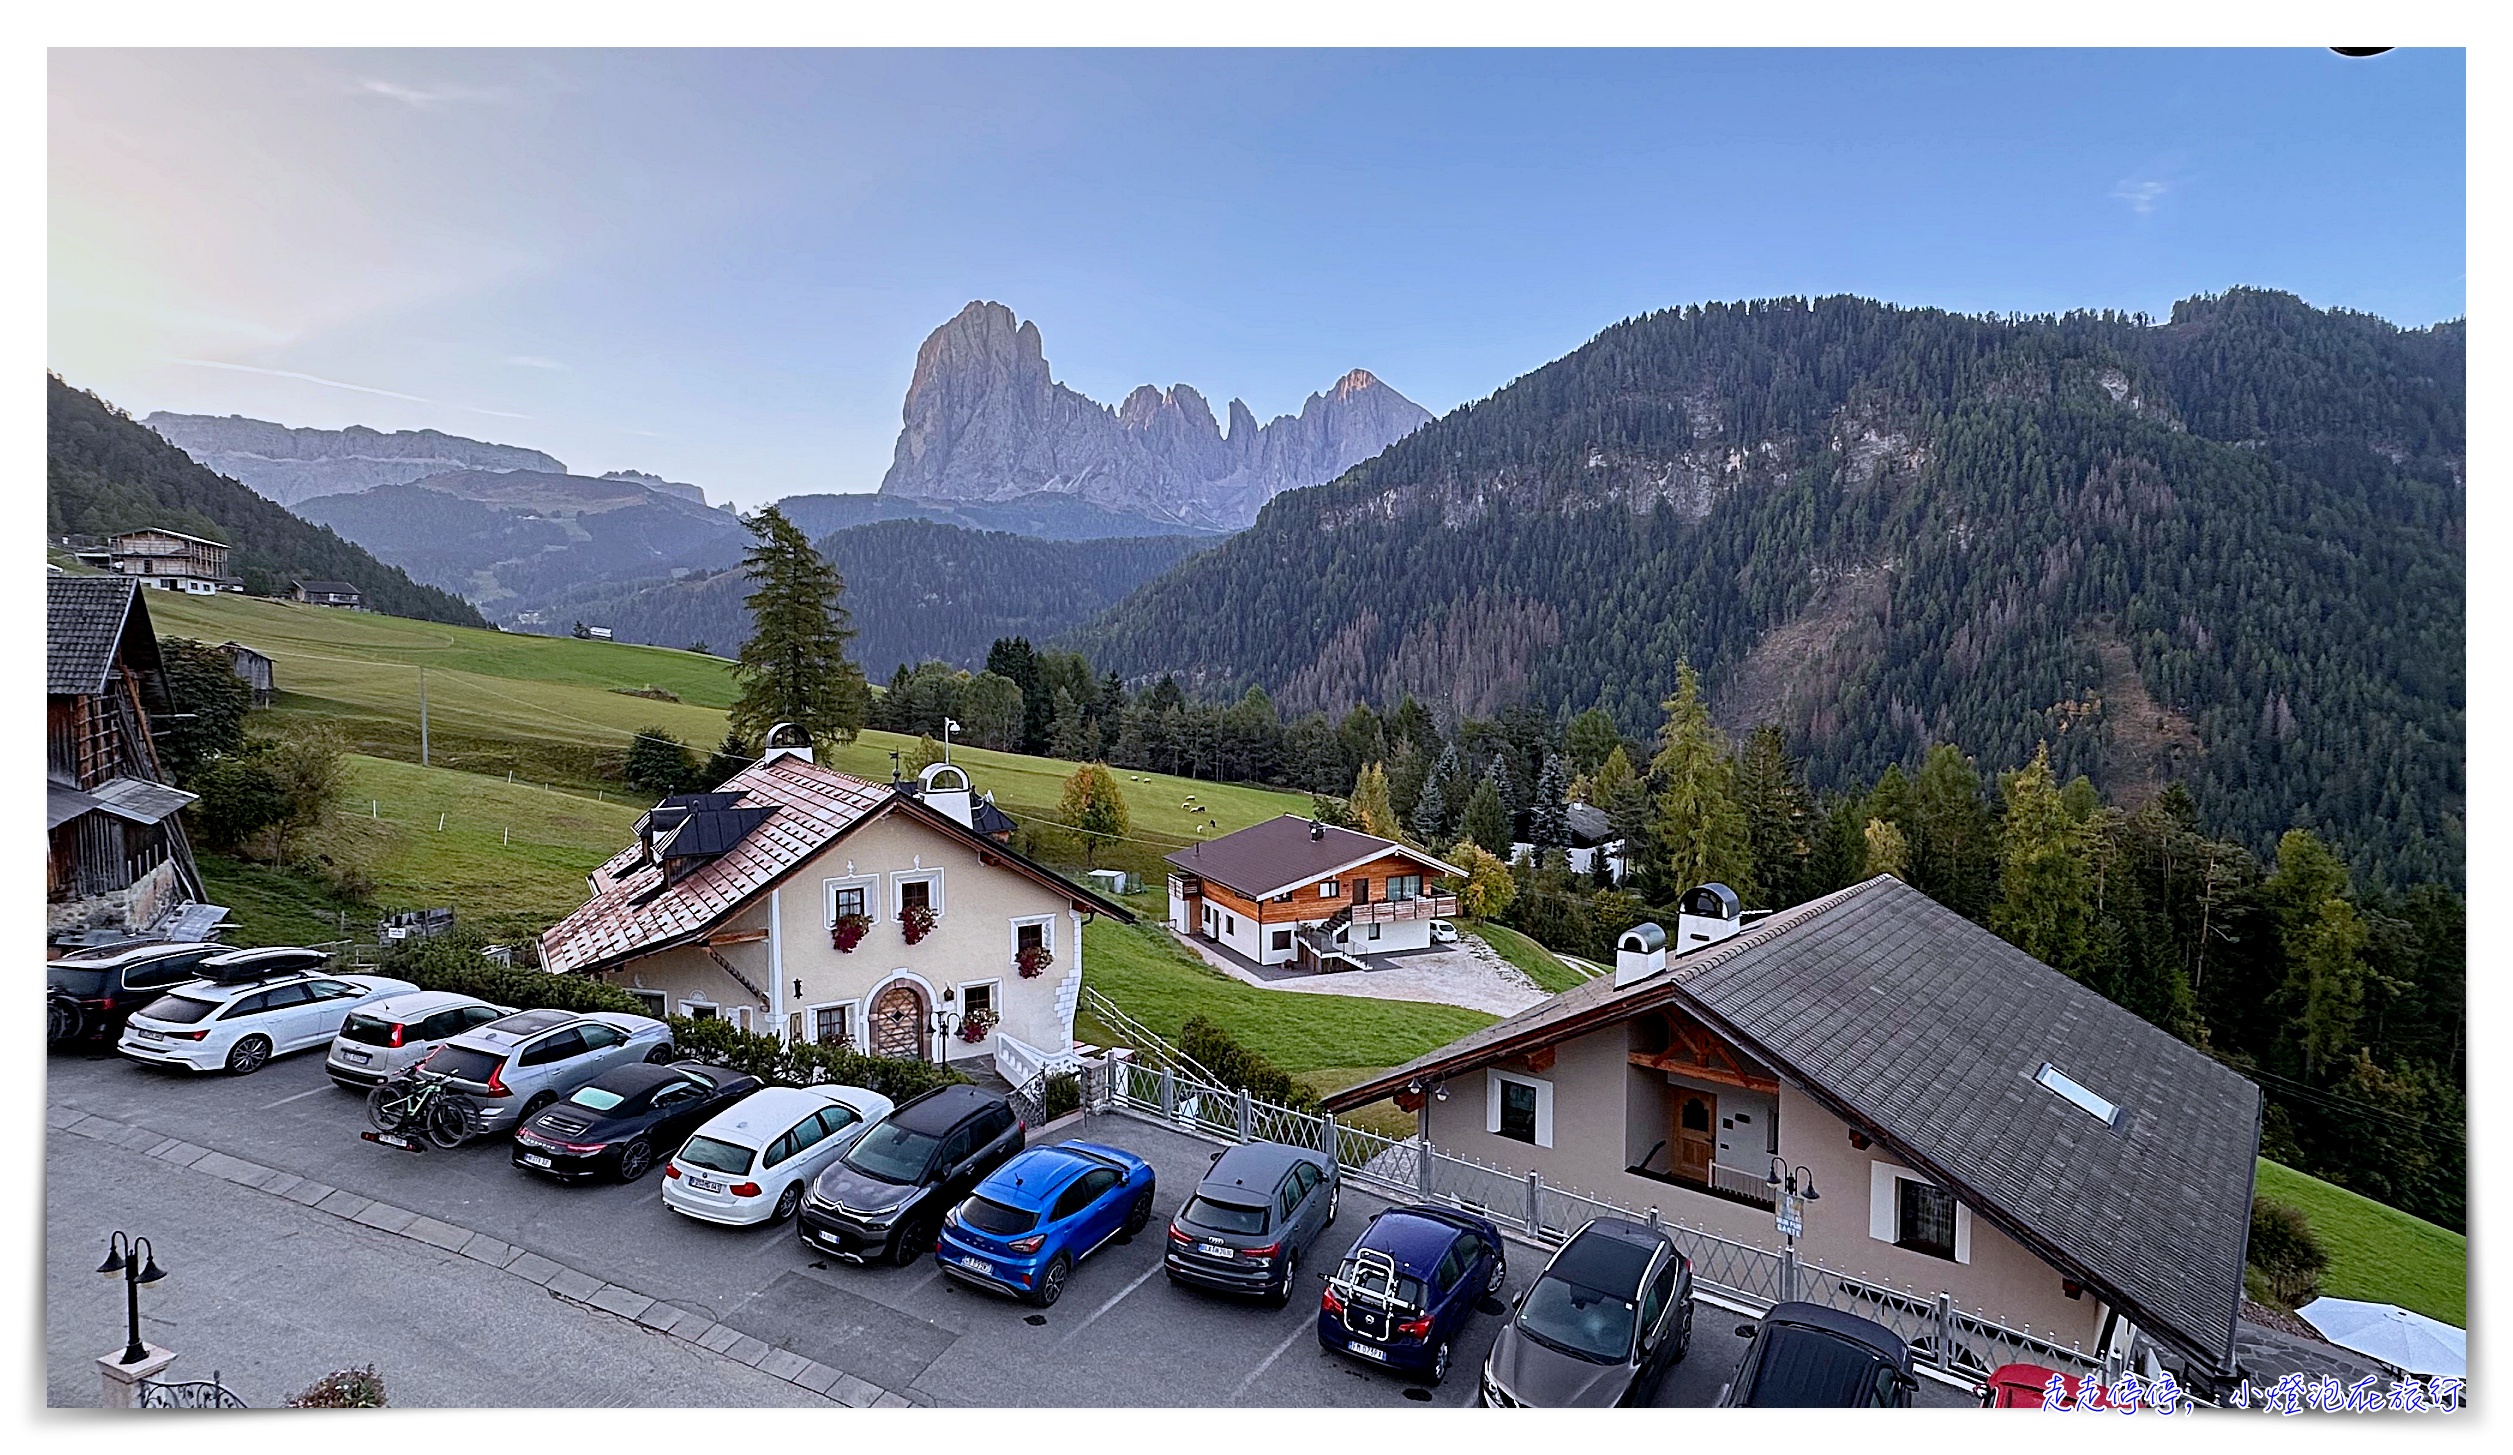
{"x":977,"y":1027}
{"x":1032,"y":960}
{"x":916,"y":922}
{"x":848,"y":931}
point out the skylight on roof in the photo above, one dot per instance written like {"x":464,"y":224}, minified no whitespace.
{"x":2085,"y":1101}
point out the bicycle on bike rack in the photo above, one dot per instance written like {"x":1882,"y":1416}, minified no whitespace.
{"x":413,"y":1108}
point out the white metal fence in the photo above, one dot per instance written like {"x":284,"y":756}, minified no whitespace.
{"x":1949,"y":1342}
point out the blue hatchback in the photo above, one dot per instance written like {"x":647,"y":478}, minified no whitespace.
{"x":1037,"y":1215}
{"x":1404,"y":1292}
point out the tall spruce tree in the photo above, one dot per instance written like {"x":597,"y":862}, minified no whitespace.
{"x":2045,"y":893}
{"x":1548,"y":822}
{"x":1779,"y":817}
{"x":1487,"y":822}
{"x":1954,"y":838}
{"x":795,"y":668}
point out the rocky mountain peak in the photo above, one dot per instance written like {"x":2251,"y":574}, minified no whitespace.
{"x":984,"y":420}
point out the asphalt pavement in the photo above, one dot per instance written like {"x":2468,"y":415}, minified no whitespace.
{"x":1121,"y":1336}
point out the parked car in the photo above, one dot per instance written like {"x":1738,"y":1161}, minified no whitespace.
{"x":1600,"y":1326}
{"x":751,"y":1162}
{"x":380,"y":1039}
{"x":1443,"y":932}
{"x":516,"y":1065}
{"x":885,"y":1196}
{"x":108,"y":983}
{"x":209,"y":1025}
{"x":1806,"y":1356}
{"x":1044,"y":1211}
{"x":615,"y":1124}
{"x":1405,"y":1290}
{"x":1251,"y":1218}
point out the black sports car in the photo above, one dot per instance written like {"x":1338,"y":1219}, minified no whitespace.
{"x":625,"y":1120}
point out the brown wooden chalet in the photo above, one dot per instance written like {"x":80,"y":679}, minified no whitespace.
{"x":119,"y":864}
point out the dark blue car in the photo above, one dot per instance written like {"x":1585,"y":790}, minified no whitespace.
{"x":1039,"y":1214}
{"x":1404,"y":1292}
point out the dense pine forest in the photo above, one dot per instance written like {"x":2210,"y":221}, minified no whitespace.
{"x":2223,"y":551}
{"x":106,"y":472}
{"x":2341,"y":997}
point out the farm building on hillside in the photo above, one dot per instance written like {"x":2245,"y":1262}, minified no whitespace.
{"x":799,"y":901}
{"x":1295,"y":889}
{"x":255,"y":668}
{"x":326,"y":593}
{"x":169,"y":560}
{"x":119,"y":865}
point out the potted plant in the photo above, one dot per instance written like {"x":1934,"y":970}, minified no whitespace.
{"x":977,"y":1027}
{"x":847,"y":931}
{"x":1033,"y":960}
{"x":916,"y":922}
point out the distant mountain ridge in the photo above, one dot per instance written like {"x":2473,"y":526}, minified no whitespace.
{"x":916,"y":589}
{"x":289,"y":465}
{"x":512,"y":539}
{"x":105,"y":472}
{"x":985,"y":421}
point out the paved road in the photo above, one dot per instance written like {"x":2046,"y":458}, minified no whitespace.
{"x":1122,"y":1335}
{"x":271,"y":1296}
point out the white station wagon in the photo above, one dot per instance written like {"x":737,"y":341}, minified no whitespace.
{"x":752,"y":1162}
{"x":208,"y":1025}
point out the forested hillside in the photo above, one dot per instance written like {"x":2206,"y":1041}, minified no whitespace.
{"x":105,"y":472}
{"x":2226,"y":550}
{"x":918,"y":590}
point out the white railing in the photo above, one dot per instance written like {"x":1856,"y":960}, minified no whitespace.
{"x":1021,"y":1063}
{"x":1390,"y":911}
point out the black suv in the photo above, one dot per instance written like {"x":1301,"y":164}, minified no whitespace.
{"x":884,"y":1199}
{"x":1806,"y":1356}
{"x":106,"y":984}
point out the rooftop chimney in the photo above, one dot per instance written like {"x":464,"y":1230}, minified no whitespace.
{"x":1707,"y":913}
{"x":1639,"y":953}
{"x":798,"y":744}
{"x":1316,"y":830}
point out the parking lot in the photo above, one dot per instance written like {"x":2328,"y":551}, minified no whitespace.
{"x":1121,"y":1336}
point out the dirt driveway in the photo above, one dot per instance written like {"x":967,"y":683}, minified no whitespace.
{"x":1468,"y":973}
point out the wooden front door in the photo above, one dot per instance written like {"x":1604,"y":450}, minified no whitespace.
{"x":896,"y":1023}
{"x":1696,"y":1117}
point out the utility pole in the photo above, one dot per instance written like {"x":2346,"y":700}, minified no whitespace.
{"x":423,"y":717}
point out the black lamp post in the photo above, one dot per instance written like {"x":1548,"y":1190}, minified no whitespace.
{"x":945,"y":1021}
{"x":125,"y":1255}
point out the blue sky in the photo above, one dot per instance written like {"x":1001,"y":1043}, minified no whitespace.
{"x":718,"y":265}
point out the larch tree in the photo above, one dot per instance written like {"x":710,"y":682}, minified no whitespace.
{"x":2045,"y":903}
{"x":1699,"y":827}
{"x":1095,"y":808}
{"x":795,"y":666}
{"x":1370,"y":805}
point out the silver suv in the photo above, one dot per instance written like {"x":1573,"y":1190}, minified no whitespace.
{"x":517,"y":1065}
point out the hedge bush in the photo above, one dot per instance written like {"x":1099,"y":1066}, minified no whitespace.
{"x":718,"y":1042}
{"x":1237,"y":1066}
{"x":453,"y":962}
{"x":2285,"y":1253}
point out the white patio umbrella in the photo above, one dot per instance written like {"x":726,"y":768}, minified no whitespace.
{"x":2404,"y":1340}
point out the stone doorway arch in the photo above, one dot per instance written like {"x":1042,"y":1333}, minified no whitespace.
{"x":895,"y":1022}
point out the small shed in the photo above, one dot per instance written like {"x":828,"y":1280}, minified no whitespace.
{"x":254,"y":668}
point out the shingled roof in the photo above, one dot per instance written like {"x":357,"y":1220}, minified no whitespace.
{"x":85,"y":623}
{"x":1268,"y":858}
{"x":1912,"y":1022}
{"x":797,"y":810}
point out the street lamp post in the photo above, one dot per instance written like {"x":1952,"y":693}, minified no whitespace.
{"x":1791,"y":1186}
{"x":125,"y":1255}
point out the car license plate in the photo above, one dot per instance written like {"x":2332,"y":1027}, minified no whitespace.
{"x":833,"y":1240}
{"x":148,"y":1035}
{"x":704,"y":1184}
{"x":536,"y":1159}
{"x":1367,"y":1351}
{"x":391,"y":1139}
{"x":360,"y":1057}
{"x":978,"y":1265}
{"x":1216,"y":1250}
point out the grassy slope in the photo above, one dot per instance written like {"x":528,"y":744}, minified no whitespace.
{"x":1535,"y":960}
{"x":546,"y":706}
{"x":1161,"y":985}
{"x":523,"y":849}
{"x":2378,"y":1253}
